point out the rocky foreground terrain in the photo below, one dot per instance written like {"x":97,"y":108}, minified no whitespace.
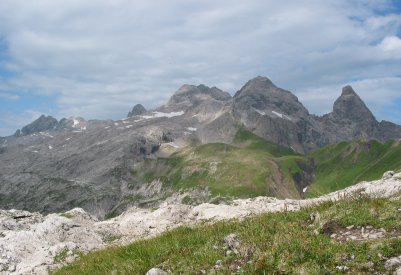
{"x":31,"y":243}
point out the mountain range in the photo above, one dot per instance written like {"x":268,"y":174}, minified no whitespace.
{"x":202,"y":145}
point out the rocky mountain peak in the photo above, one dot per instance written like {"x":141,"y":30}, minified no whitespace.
{"x":192,"y":90}
{"x":350,"y":106}
{"x":137,"y":110}
{"x":185,"y":89}
{"x":257,"y":84}
{"x":348,"y":91}
{"x":43,"y":123}
{"x":191,"y":95}
{"x":260,"y":93}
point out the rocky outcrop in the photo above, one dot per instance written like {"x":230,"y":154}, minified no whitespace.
{"x":351,"y":119}
{"x":277,"y":115}
{"x":137,"y":111}
{"x":43,"y":123}
{"x":32,"y":243}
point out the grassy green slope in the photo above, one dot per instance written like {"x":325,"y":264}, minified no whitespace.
{"x":252,"y":166}
{"x":347,"y":163}
{"x":276,"y":243}
{"x":247,"y":168}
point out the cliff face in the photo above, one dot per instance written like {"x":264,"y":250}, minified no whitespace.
{"x":278,"y":116}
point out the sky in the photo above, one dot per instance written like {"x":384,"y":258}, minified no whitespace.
{"x":97,"y":59}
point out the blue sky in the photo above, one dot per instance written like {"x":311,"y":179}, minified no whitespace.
{"x":97,"y":59}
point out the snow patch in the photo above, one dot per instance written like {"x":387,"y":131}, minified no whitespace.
{"x":107,"y":127}
{"x":278,"y":114}
{"x":115,"y":124}
{"x":35,"y":151}
{"x":76,"y":122}
{"x":50,"y":147}
{"x":161,"y":114}
{"x":281,"y":115}
{"x":128,"y":126}
{"x":192,"y":129}
{"x":260,"y":112}
{"x":77,"y":131}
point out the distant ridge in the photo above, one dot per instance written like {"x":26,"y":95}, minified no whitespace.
{"x":198,"y":144}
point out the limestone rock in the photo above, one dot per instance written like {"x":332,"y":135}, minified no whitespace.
{"x":393,"y":263}
{"x":232,"y":241}
{"x":388,"y":175}
{"x":156,"y":271}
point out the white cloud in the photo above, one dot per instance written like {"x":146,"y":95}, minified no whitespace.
{"x":99,"y":58}
{"x":392,"y":46}
{"x":8,"y":96}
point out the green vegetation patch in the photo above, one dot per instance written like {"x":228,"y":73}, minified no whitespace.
{"x":275,"y":243}
{"x":345,"y":164}
{"x":252,"y":166}
{"x":245,"y":169}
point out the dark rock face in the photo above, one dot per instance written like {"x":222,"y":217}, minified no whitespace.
{"x":261,"y":94}
{"x":278,"y":116}
{"x":137,"y":110}
{"x":349,"y":106}
{"x":386,"y":130}
{"x":351,"y":119}
{"x":43,"y":123}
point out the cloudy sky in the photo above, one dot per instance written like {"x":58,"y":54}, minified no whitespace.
{"x":97,"y":58}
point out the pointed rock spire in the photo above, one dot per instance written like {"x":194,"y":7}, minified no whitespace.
{"x":350,"y":106}
{"x":137,"y":110}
